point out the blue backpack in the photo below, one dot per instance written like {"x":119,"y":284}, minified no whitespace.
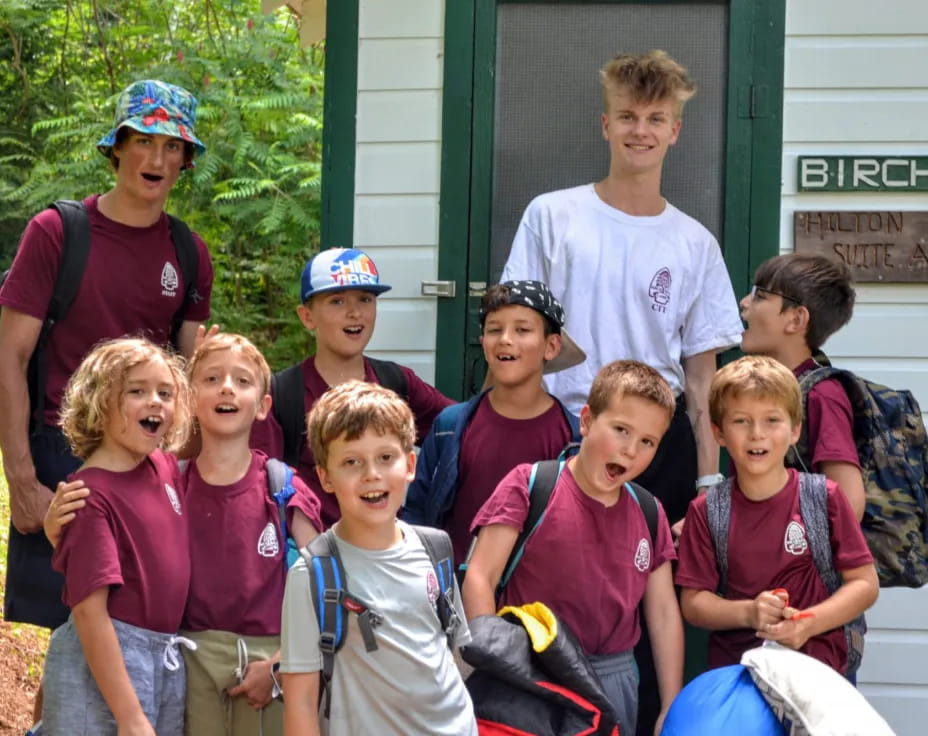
{"x":893,"y":449}
{"x":332,"y":600}
{"x":280,"y":487}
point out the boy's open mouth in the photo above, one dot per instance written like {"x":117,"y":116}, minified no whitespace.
{"x":506,"y":357}
{"x":152,"y":177}
{"x":354,"y":330}
{"x":614,"y":470}
{"x":151,"y":424}
{"x":757,"y":453}
{"x":375,"y":497}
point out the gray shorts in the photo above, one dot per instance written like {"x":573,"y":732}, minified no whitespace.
{"x":73,"y":705}
{"x":618,"y":674}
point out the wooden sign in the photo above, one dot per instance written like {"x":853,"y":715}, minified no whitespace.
{"x":863,"y":174}
{"x":876,"y":245}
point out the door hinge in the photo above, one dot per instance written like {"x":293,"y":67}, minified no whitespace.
{"x":754,"y":102}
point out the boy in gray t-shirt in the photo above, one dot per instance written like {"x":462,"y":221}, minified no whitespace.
{"x":362,"y":437}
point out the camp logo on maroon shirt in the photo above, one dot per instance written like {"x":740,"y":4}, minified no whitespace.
{"x":431,"y":587}
{"x":268,"y":545}
{"x":643,"y":556}
{"x":172,"y":497}
{"x":795,"y":541}
{"x":169,"y":280}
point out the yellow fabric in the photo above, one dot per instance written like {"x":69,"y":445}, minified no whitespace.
{"x":538,"y":621}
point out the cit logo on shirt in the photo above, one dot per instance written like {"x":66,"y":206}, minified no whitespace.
{"x":659,"y":290}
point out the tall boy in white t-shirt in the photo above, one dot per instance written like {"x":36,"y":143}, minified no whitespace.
{"x":637,"y":277}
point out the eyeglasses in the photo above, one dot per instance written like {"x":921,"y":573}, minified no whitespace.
{"x":760,"y":291}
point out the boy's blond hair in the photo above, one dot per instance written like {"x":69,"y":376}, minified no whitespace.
{"x":349,"y":409}
{"x":236,"y":344}
{"x":647,"y":78}
{"x":759,"y":377}
{"x":93,"y":391}
{"x":630,"y":378}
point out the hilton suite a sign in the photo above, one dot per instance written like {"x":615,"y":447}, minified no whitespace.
{"x":876,"y":245}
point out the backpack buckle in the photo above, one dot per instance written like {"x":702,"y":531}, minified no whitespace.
{"x":327,"y":642}
{"x":333,"y":595}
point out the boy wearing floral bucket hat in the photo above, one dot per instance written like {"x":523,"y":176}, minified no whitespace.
{"x":338,"y":291}
{"x":132,"y":283}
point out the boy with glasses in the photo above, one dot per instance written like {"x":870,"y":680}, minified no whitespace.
{"x":797,"y":302}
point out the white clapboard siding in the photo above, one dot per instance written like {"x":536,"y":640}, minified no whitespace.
{"x":397,"y":169}
{"x":856,"y":82}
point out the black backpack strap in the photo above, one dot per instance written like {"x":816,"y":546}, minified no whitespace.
{"x":390,"y":375}
{"x":541,"y":484}
{"x":718,"y":517}
{"x":437,"y":545}
{"x":648,"y":505}
{"x":332,"y":601}
{"x":75,"y":248}
{"x":287,"y":404}
{"x":189,"y":261}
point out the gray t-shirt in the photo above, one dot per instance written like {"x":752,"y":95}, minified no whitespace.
{"x":410,"y":684}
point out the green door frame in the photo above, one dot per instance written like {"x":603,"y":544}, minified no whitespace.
{"x":751,"y":225}
{"x":340,"y":103}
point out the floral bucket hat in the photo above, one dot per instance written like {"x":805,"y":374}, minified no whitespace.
{"x":151,"y":106}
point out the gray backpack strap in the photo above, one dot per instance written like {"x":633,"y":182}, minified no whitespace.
{"x":718,"y":516}
{"x":813,"y":506}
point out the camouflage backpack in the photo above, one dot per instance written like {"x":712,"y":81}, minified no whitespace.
{"x":893,"y":448}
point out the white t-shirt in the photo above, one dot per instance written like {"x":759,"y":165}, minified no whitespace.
{"x":410,"y":683}
{"x":653,"y":289}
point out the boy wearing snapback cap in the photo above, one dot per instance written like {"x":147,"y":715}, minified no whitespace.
{"x":471,"y":446}
{"x":133,"y":283}
{"x":338,"y":290}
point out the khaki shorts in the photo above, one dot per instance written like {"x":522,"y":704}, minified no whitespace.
{"x":211,"y":674}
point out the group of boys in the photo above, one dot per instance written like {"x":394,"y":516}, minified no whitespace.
{"x":657,"y":284}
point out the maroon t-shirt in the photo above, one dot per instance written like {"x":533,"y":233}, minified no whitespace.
{"x":132,"y":284}
{"x":491,"y":446}
{"x":830,"y":422}
{"x":131,"y":536}
{"x":237,"y":551}
{"x":586,"y":562}
{"x":424,"y":400}
{"x":767,"y":549}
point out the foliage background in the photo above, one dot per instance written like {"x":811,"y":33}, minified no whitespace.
{"x":254,"y":196}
